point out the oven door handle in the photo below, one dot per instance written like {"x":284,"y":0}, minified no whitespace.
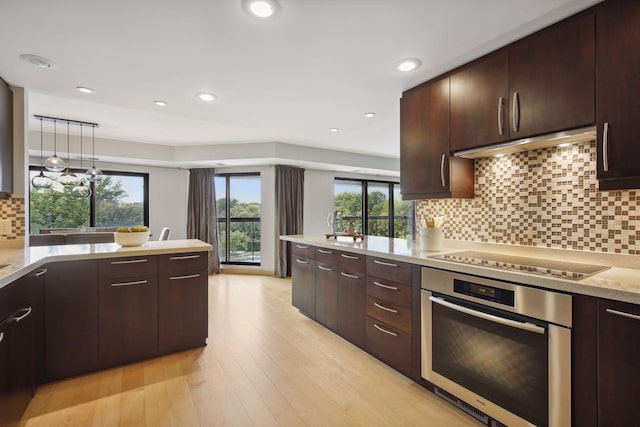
{"x":490,"y":317}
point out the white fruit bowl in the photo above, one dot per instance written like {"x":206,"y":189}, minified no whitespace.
{"x":134,"y":238}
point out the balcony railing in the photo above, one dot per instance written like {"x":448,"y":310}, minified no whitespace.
{"x":243,"y":246}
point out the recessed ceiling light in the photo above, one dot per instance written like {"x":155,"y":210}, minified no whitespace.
{"x":160,"y":103}
{"x":564,"y":144}
{"x":84,"y":89}
{"x":369,"y":115}
{"x":261,"y":9}
{"x":409,"y":64}
{"x":36,"y":60}
{"x":334,"y":130}
{"x":500,"y":155}
{"x":206,"y":96}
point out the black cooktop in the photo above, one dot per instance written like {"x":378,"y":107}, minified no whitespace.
{"x":544,"y":267}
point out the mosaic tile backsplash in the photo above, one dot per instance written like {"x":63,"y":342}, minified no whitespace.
{"x":546,"y":198}
{"x":13,"y":209}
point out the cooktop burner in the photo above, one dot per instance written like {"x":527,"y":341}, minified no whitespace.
{"x":563,"y":269}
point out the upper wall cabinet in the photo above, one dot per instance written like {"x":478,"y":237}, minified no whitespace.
{"x":617,"y":89}
{"x":6,"y":140}
{"x":541,"y":84}
{"x":427,"y":169}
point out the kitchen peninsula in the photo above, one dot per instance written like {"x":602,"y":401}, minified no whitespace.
{"x":67,"y":310}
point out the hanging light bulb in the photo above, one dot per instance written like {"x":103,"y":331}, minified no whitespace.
{"x":55,"y":163}
{"x":41,"y":181}
{"x":81,"y":191}
{"x":93,"y":172}
{"x":68,"y":178}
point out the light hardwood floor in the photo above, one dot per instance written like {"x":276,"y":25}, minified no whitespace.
{"x":265,"y":365}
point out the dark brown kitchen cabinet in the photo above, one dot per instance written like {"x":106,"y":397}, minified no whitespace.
{"x":71,"y":318}
{"x":617,"y":88}
{"x":480,"y":102}
{"x":327,"y":288}
{"x":303,"y":285}
{"x":21,"y":328}
{"x":552,"y":78}
{"x":618,"y":367}
{"x":427,"y":169}
{"x":351,"y":308}
{"x":183,"y":304}
{"x":127,"y":309}
{"x":6,"y":140}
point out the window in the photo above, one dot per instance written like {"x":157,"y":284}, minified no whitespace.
{"x":238,"y":209}
{"x":117,"y":199}
{"x":385,"y":209}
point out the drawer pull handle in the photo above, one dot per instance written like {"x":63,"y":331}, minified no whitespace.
{"x":40,"y":273}
{"x":302,"y":246}
{"x":324,"y":251}
{"x":19,"y":315}
{"x":349,"y":256}
{"x":350,"y":276}
{"x":382,"y":307}
{"x":391,"y":288}
{"x":137,"y":282}
{"x":301,"y":261}
{"x":174,"y":258}
{"x":130,"y":261}
{"x":325,"y":268}
{"x":388,"y":264}
{"x":189,"y":276}
{"x":623,"y":314}
{"x":381,"y":329}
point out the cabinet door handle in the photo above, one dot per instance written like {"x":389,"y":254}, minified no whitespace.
{"x":40,"y":273}
{"x":325,"y":268}
{"x":174,"y":258}
{"x":349,"y":256}
{"x":324,"y":251}
{"x":19,"y":315}
{"x":623,"y":314}
{"x":302,"y":246}
{"x":130,"y":261}
{"x":1,"y":336}
{"x":137,"y":282}
{"x":515,"y":112}
{"x":388,"y":264}
{"x":501,"y":116}
{"x":188,"y":276}
{"x":382,"y":307}
{"x":444,"y":184}
{"x":605,"y":147}
{"x":350,"y":276}
{"x":381,"y":329}
{"x":301,"y":261}
{"x":391,"y":288}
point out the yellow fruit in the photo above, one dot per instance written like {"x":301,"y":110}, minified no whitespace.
{"x":123,"y":230}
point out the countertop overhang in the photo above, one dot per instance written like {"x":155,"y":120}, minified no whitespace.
{"x":21,"y":262}
{"x":621,"y":282}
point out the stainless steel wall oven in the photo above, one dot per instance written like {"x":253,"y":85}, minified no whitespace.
{"x":502,"y":348}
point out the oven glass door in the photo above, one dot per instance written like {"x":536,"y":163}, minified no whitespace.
{"x":504,"y":364}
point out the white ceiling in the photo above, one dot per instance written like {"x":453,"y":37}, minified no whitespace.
{"x":320,"y":64}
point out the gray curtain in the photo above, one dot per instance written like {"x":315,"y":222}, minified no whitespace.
{"x":289,"y":205}
{"x":202,"y":218}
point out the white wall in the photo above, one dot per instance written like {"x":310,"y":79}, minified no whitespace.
{"x":318,"y":200}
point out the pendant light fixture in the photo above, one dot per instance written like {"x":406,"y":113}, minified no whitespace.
{"x":41,"y":181}
{"x":93,"y":172}
{"x":55,"y":163}
{"x":68,"y":178}
{"x":81,"y":191}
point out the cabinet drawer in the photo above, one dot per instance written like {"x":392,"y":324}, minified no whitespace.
{"x":327,"y":256}
{"x":399,"y":272}
{"x":349,"y":261}
{"x":389,"y":344}
{"x":391,"y":314}
{"x":191,"y":261}
{"x":388,"y":291}
{"x":303,"y":250}
{"x":127,"y":267}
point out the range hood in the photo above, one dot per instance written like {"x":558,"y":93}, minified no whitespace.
{"x":552,"y":139}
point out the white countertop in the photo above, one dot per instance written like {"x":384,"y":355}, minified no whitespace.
{"x":22,"y":261}
{"x":621,"y":282}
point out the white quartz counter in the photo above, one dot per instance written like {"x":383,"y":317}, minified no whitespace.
{"x":20,"y":262}
{"x":621,"y":282}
